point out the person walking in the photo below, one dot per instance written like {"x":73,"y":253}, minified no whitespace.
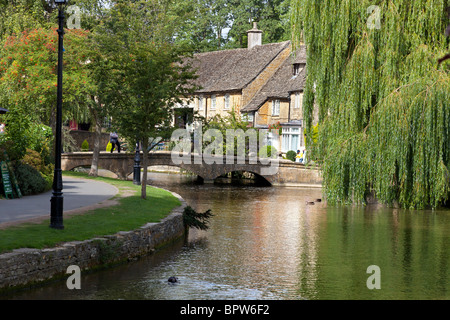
{"x":114,"y":139}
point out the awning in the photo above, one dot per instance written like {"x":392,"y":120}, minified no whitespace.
{"x":3,"y":110}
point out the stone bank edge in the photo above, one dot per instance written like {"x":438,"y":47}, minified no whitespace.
{"x":25,"y":267}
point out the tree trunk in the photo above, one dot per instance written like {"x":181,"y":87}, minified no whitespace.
{"x":144,"y":166}
{"x":98,"y":132}
{"x":96,"y":154}
{"x":219,"y":37}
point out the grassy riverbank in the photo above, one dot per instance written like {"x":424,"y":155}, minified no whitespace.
{"x":130,"y":212}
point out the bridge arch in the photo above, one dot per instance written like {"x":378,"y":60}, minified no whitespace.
{"x":257,"y":178}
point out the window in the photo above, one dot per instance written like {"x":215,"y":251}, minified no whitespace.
{"x":247,"y":117}
{"x":297,"y":101}
{"x":213,"y":102}
{"x":275,"y":107}
{"x":227,"y":101}
{"x":296,"y":69}
{"x":290,"y":139}
{"x":200,"y":102}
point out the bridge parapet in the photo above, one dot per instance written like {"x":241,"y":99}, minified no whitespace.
{"x":275,"y":171}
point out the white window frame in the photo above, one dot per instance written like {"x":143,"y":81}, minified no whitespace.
{"x":297,"y":97}
{"x":226,"y":100}
{"x":200,"y":103}
{"x":276,"y":107}
{"x":248,"y":117}
{"x":213,"y":102}
{"x":288,"y":133}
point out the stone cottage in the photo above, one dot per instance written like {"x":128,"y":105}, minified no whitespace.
{"x":263,"y":83}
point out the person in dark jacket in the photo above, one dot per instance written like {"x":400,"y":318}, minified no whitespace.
{"x":114,"y":139}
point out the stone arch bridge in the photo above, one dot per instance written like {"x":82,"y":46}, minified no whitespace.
{"x":277,"y":172}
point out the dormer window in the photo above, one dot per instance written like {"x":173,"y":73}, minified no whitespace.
{"x":296,"y":69}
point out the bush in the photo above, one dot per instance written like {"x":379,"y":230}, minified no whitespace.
{"x":29,"y":179}
{"x":198,"y":220}
{"x":85,"y":145}
{"x":35,"y":160}
{"x":291,"y":154}
{"x":268,"y":152}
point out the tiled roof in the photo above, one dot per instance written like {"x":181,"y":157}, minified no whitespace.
{"x":231,"y":70}
{"x":282,"y":82}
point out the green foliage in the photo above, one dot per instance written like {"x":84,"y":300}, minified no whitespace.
{"x":291,"y":155}
{"x":29,"y":179}
{"x":28,"y":72}
{"x":23,"y":132}
{"x":17,"y":16}
{"x":198,"y":220}
{"x":382,"y":102}
{"x":241,"y":143}
{"x":271,"y":16}
{"x":203,"y":23}
{"x":268,"y":152}
{"x":35,"y":160}
{"x":68,"y":141}
{"x":85,"y":145}
{"x":143,"y":76}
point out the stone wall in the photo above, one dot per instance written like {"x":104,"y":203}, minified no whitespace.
{"x":79,"y":136}
{"x":253,"y":88}
{"x":24,"y":267}
{"x":264,"y":115}
{"x":294,"y":174}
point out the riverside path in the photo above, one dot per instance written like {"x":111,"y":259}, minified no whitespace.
{"x":78,"y":194}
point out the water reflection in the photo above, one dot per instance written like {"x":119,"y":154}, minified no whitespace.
{"x":267,"y":243}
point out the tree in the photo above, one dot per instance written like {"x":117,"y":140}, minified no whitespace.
{"x":17,"y":16}
{"x":145,"y":70}
{"x":383,"y":104}
{"x":217,"y":24}
{"x":201,"y":23}
{"x":242,"y":144}
{"x":272,"y":17}
{"x":28,"y":73}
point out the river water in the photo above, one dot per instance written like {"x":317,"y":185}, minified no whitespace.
{"x":269,"y":243}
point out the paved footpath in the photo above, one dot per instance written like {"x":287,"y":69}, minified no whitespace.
{"x":78,"y":194}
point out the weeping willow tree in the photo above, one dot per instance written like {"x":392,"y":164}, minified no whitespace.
{"x":382,"y":100}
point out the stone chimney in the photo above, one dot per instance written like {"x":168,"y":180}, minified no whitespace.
{"x":254,"y":37}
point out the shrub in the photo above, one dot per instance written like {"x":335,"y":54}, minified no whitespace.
{"x":268,"y":152}
{"x":29,"y":179}
{"x":291,"y":154}
{"x":35,"y":159}
{"x":194,"y":219}
{"x":85,"y":145}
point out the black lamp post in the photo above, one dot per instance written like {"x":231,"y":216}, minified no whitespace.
{"x":56,"y":212}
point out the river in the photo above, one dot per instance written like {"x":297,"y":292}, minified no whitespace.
{"x":269,"y":243}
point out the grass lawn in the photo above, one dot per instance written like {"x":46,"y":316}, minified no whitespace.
{"x":131,"y":213}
